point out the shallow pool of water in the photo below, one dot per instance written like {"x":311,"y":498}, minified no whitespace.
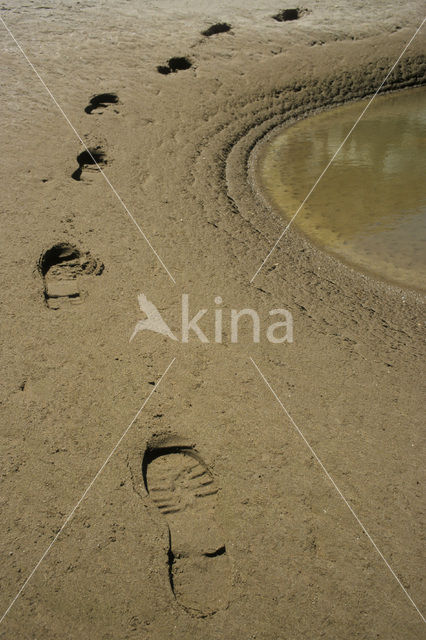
{"x":369,"y":209}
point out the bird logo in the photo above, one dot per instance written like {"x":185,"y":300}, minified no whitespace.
{"x":153,"y":321}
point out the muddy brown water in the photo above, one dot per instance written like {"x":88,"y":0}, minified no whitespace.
{"x":369,"y":209}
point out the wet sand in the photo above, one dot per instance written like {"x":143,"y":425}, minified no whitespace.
{"x":180,"y":148}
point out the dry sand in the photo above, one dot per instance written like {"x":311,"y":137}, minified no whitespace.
{"x":180,"y":149}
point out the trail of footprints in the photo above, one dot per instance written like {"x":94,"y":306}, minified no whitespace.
{"x":176,"y":478}
{"x":93,"y":158}
{"x":62,"y":266}
{"x":182,"y":63}
{"x":184,"y":490}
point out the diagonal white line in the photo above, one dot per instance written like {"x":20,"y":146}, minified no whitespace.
{"x":338,"y":150}
{"x":338,"y":490}
{"x":84,"y":494}
{"x":113,"y":189}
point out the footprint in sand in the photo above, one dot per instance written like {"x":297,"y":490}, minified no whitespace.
{"x":183,"y":489}
{"x":61,"y":267}
{"x":89,"y":159}
{"x":290,"y":14}
{"x":101,"y":101}
{"x":174,"y":65}
{"x":220,"y":27}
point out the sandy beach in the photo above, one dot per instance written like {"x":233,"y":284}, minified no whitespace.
{"x":307,"y":455}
